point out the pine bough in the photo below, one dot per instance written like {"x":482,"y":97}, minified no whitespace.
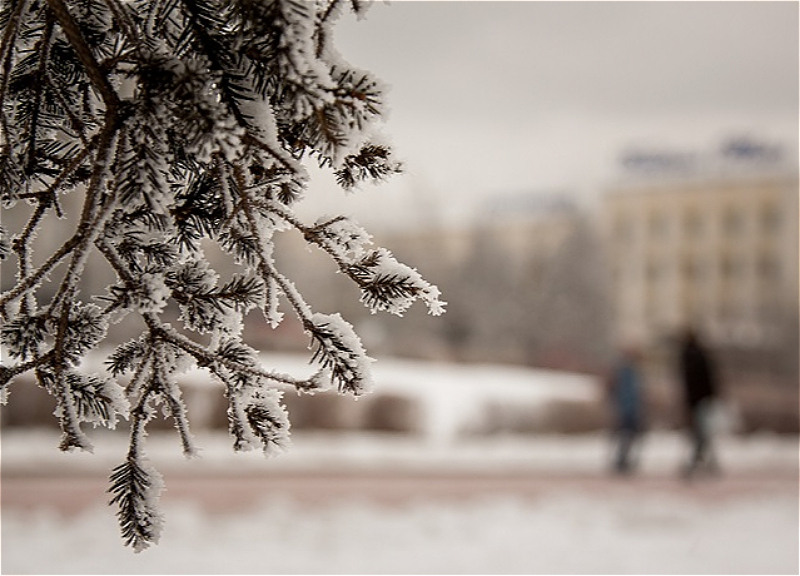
{"x":175,"y":122}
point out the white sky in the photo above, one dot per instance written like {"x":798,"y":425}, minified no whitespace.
{"x":496,"y":97}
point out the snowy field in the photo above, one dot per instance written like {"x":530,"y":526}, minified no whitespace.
{"x":651,"y":524}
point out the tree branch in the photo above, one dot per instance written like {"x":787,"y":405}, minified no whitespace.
{"x":7,"y":54}
{"x":266,"y":268}
{"x":96,"y":75}
{"x":44,"y":56}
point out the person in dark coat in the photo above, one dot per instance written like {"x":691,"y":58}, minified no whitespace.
{"x":698,"y":375}
{"x":626,"y":397}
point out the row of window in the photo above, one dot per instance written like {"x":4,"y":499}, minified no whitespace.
{"x":765,"y":267}
{"x":722,"y":308}
{"x":693,"y":224}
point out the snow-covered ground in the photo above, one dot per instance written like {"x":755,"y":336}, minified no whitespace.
{"x":568,"y":533}
{"x":576,"y":520}
{"x":566,"y":528}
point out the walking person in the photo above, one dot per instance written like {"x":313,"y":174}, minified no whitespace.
{"x":625,"y":395}
{"x":699,"y":379}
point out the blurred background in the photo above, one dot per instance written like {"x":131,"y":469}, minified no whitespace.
{"x":580,"y":178}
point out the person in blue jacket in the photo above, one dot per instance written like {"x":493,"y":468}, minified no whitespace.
{"x":625,"y":390}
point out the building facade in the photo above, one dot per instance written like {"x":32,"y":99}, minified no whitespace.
{"x":720,"y":255}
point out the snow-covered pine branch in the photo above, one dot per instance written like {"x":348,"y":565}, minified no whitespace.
{"x":136,"y":487}
{"x":337,"y":347}
{"x":152,"y":129}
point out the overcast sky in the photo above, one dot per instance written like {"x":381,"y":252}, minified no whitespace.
{"x":492,"y":98}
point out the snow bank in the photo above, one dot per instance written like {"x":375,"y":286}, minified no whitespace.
{"x":451,"y":397}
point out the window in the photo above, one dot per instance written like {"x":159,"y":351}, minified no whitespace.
{"x":733,"y":222}
{"x":659,"y":225}
{"x":725,"y":308}
{"x":688,"y":270}
{"x":770,"y":217}
{"x":693,"y":269}
{"x":768,"y":268}
{"x":692,"y":224}
{"x":623,"y":229}
{"x":731,"y":267}
{"x":654,"y":271}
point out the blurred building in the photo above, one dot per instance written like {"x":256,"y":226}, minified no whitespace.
{"x":522,"y":225}
{"x":524,"y":281}
{"x":708,"y":242}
